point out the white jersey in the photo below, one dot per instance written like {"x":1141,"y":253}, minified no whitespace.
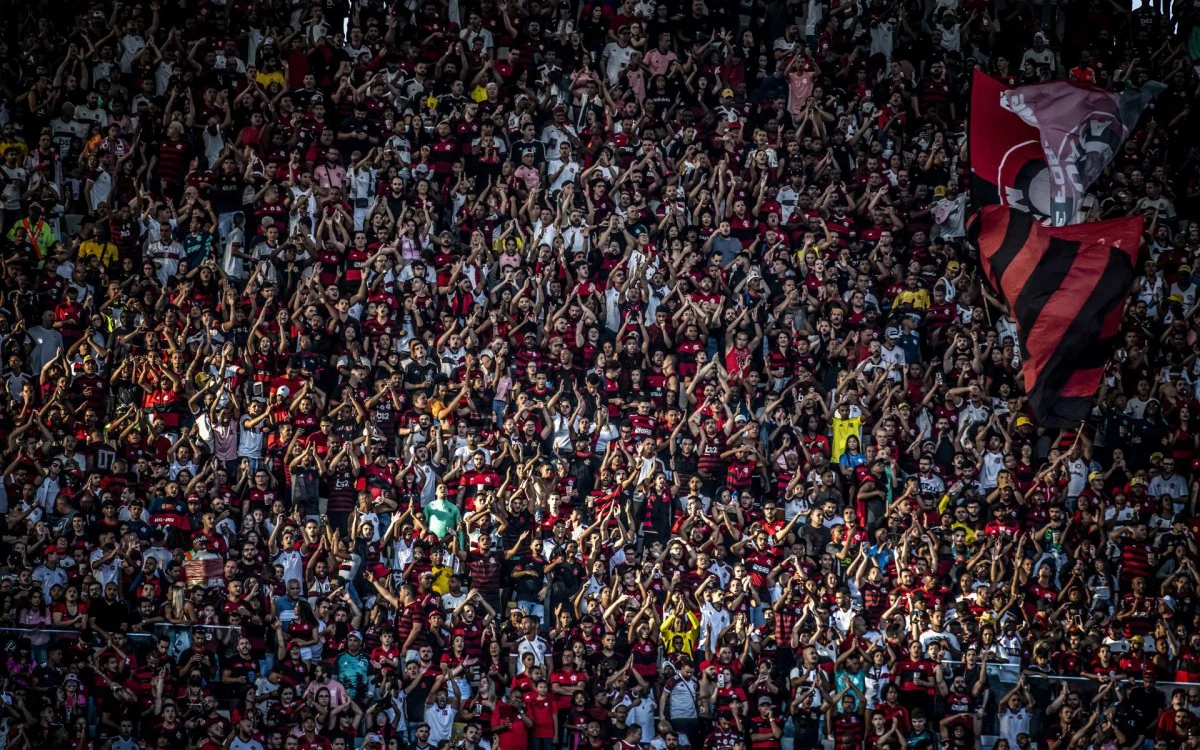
{"x":1078,"y":470}
{"x":293,"y":565}
{"x":932,"y":484}
{"x":440,"y":721}
{"x":989,"y":469}
{"x":1175,"y":486}
{"x":233,"y":265}
{"x":110,"y":572}
{"x":1012,"y":724}
{"x":538,"y":647}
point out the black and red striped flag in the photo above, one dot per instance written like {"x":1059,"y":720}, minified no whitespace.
{"x":1039,"y":148}
{"x":1067,"y":288}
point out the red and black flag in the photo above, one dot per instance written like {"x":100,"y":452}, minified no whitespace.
{"x":1039,"y":148}
{"x":1067,"y":288}
{"x":1081,"y":129}
{"x":1008,"y":167}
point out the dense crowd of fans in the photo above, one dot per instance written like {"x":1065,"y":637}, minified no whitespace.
{"x":528,"y":375}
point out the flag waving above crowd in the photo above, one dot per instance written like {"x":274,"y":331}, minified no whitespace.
{"x":1007,"y":165}
{"x":1080,"y":128}
{"x":1035,"y":150}
{"x":1038,"y":148}
{"x":1067,"y":288}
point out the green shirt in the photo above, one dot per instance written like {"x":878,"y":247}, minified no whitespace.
{"x":443,"y":517}
{"x":39,"y":233}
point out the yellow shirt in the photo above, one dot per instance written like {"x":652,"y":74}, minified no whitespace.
{"x":266,"y":79}
{"x":967,"y":530}
{"x":943,"y":506}
{"x":689,"y":631}
{"x":498,"y":244}
{"x":918,"y":299}
{"x":107,"y":253}
{"x":842,"y":429}
{"x":21,"y":148}
{"x":441,"y":579}
{"x":816,"y":248}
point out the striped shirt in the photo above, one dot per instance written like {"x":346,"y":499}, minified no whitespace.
{"x":173,"y":157}
{"x":1135,"y":559}
{"x":485,"y":574}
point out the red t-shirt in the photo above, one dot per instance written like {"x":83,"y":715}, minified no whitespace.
{"x":542,"y":711}
{"x":566,"y":679}
{"x":517,"y":736}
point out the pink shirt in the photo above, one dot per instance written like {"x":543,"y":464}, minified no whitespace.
{"x":337,"y":693}
{"x":330,"y":178}
{"x":530,"y":176}
{"x":657,"y":62}
{"x":31,"y":619}
{"x":503,"y":385}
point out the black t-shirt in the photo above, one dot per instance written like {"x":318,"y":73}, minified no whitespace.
{"x":414,"y":702}
{"x":606,"y":666}
{"x":521,"y":146}
{"x":1143,"y":707}
{"x":418,"y":372}
{"x":353,"y":124}
{"x":583,"y":468}
{"x":527,"y":587}
{"x":109,"y":615}
{"x":177,"y":736}
{"x":448,"y":101}
{"x":923,"y":740}
{"x":227,"y":194}
{"x":571,"y":574}
{"x":517,"y":525}
{"x":817,"y":538}
{"x":662,"y":99}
